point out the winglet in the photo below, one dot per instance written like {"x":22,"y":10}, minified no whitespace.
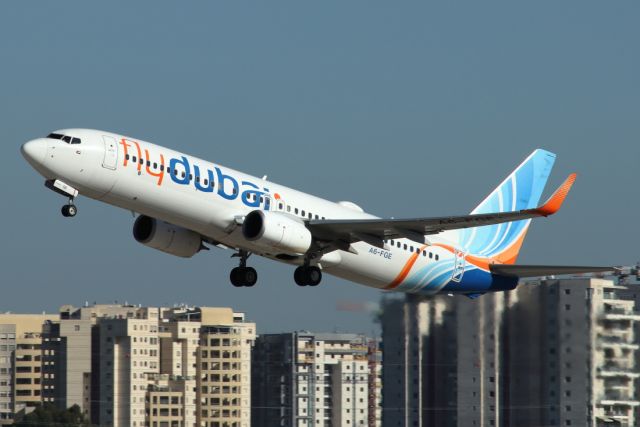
{"x":553,"y":204}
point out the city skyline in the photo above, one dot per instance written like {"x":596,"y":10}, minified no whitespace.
{"x":318,"y":97}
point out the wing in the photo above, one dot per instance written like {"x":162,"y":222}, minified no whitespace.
{"x":375,"y":231}
{"x":544,"y":270}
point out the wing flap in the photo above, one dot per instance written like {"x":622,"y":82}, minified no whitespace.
{"x":544,"y":270}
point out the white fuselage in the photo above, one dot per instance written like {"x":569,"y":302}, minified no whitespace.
{"x":107,"y":167}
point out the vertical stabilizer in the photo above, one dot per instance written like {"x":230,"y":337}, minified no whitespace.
{"x":520,"y":190}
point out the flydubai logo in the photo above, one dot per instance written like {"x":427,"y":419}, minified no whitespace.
{"x":182,"y":172}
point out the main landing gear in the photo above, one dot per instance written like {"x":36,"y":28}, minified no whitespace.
{"x":69,"y":210}
{"x":307,"y":275}
{"x":243,"y":276}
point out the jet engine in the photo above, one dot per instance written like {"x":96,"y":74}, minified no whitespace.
{"x":166,"y":237}
{"x":277,"y":232}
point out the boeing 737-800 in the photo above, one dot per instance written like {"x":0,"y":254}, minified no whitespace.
{"x":185,"y":202}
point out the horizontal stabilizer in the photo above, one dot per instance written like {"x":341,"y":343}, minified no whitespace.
{"x":543,"y":270}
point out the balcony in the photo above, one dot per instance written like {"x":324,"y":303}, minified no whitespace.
{"x":618,"y":398}
{"x":611,"y":370}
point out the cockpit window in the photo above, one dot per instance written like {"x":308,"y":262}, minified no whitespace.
{"x":65,"y":138}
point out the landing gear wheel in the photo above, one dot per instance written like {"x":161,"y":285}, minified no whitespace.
{"x":249,"y":276}
{"x":298,"y":276}
{"x":69,"y":211}
{"x":234,"y":276}
{"x":307,"y":276}
{"x":314,"y":276}
{"x":243,"y":276}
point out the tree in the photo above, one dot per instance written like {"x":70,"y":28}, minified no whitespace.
{"x":49,"y":415}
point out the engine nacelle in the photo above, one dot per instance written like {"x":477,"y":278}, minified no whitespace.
{"x":166,"y":237}
{"x":281,"y":232}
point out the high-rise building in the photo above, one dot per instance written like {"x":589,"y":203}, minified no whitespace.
{"x":129,"y":360}
{"x":308,"y":379}
{"x":224,"y":368}
{"x":416,"y":375}
{"x":70,"y":362}
{"x":20,"y":363}
{"x":574,"y":352}
{"x":554,"y":352}
{"x":7,"y":350}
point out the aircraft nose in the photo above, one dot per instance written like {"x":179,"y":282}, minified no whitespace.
{"x":34,"y":151}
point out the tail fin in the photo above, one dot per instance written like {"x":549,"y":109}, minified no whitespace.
{"x":520,"y":190}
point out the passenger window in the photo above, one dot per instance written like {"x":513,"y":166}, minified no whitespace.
{"x":190,"y":177}
{"x":142,"y":161}
{"x":405,"y":246}
{"x":235,"y":191}
{"x":424,"y":253}
{"x":162,"y":167}
{"x":184,"y":174}
{"x":310,"y":215}
{"x":302,"y":213}
{"x":148,"y":164}
{"x":280,"y":205}
{"x":261,"y":199}
{"x":430,"y":254}
{"x":317,"y":217}
{"x":288,"y":208}
{"x":127,"y":157}
{"x":418,"y":251}
{"x":206,"y":182}
{"x":155,"y":165}
{"x":411,"y":248}
{"x":398,"y":244}
{"x":437,"y":257}
{"x":296,"y":210}
{"x":134,"y":160}
{"x":392,"y":243}
{"x":324,"y":218}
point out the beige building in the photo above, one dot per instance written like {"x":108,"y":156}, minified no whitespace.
{"x":169,"y":402}
{"x":20,"y":363}
{"x":224,"y":361}
{"x":129,"y":360}
{"x":70,"y":374}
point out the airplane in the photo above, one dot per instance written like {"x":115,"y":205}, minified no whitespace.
{"x":185,"y":203}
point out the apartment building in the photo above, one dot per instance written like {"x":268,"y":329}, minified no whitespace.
{"x":552,"y":352}
{"x":309,"y":379}
{"x":129,"y":359}
{"x":20,"y":363}
{"x":224,"y":363}
{"x":419,"y":362}
{"x":580,"y":337}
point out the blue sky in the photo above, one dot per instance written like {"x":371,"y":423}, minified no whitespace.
{"x":411,"y":109}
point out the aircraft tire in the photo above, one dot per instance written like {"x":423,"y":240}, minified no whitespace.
{"x":298,"y":276}
{"x":249,"y":276}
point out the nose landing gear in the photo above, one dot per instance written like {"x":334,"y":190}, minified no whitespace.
{"x":70,"y":210}
{"x":242,"y":275}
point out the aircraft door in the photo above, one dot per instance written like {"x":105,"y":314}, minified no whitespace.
{"x":458,"y":266}
{"x":110,"y":160}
